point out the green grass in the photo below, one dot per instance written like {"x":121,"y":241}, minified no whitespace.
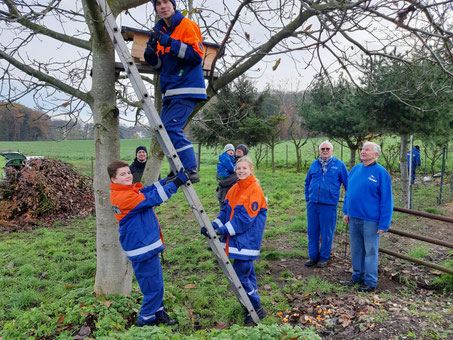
{"x":418,"y":252}
{"x":48,"y":275}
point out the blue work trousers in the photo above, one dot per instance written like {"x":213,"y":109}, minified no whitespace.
{"x":245,"y":270}
{"x":151,"y":281}
{"x":321,"y":222}
{"x":412,"y":174}
{"x":175,"y":113}
{"x":364,"y":240}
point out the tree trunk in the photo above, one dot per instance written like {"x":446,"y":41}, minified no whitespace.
{"x":155,"y":155}
{"x":299,"y":161}
{"x":113,"y":271}
{"x":403,"y":169}
{"x":352,"y":160}
{"x":273,"y":157}
{"x":154,"y":163}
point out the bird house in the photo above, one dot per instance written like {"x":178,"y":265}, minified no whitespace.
{"x":139,"y":39}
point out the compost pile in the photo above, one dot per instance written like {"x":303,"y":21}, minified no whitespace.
{"x":42,"y":193}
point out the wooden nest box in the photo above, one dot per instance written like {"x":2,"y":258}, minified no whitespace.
{"x":139,"y":39}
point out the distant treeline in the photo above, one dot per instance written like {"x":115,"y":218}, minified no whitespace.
{"x":20,"y":123}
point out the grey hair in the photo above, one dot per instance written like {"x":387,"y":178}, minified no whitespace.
{"x":325,"y":142}
{"x":376,"y":147}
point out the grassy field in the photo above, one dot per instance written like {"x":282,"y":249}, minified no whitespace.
{"x":80,"y":152}
{"x":47,"y":276}
{"x":81,"y":155}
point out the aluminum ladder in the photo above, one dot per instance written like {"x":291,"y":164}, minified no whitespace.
{"x":168,"y":149}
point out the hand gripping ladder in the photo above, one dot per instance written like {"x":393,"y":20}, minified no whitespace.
{"x":175,"y":163}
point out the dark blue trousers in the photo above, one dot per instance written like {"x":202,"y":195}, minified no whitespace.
{"x":245,"y":270}
{"x":175,"y":113}
{"x":151,"y":281}
{"x":321,"y":222}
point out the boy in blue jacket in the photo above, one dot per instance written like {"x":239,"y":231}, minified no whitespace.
{"x":225,"y":170}
{"x":175,"y":47}
{"x":140,"y":235}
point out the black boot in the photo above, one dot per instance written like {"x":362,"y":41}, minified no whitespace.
{"x":165,"y":319}
{"x":193,"y":176}
{"x":248,"y":321}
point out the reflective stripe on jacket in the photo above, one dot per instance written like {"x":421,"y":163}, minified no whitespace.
{"x":242,"y":219}
{"x":139,"y":227}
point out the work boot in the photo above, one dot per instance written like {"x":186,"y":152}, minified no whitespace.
{"x":310,"y":263}
{"x":350,"y":283}
{"x":193,"y":176}
{"x":365,"y":288}
{"x":165,"y":319}
{"x":141,"y":322}
{"x":248,"y":321}
{"x":321,"y":264}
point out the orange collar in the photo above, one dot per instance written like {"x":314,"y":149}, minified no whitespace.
{"x":244,"y":183}
{"x":121,"y":187}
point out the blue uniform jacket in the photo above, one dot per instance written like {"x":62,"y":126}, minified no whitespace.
{"x":325,"y":188}
{"x":225,"y":167}
{"x":242,"y":220}
{"x":416,"y":161}
{"x":132,"y":205}
{"x":180,"y":65}
{"x":369,"y":196}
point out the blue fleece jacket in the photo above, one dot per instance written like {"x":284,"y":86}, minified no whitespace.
{"x":325,"y":188}
{"x":369,"y":196}
{"x":225,"y":167}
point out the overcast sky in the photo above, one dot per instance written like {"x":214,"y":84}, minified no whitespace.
{"x":287,"y":76}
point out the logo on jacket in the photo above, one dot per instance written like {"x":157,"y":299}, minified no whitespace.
{"x":372,"y":178}
{"x":116,"y":210}
{"x":255,"y":206}
{"x":200,"y":45}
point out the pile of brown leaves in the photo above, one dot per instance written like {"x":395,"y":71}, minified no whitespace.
{"x":44,"y":192}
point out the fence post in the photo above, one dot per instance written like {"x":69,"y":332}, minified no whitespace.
{"x":199,"y":156}
{"x":442,"y":177}
{"x":425,"y":159}
{"x":286,"y":155}
{"x":409,"y":189}
{"x":341,"y":155}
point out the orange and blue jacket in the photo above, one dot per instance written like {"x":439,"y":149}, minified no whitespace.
{"x":180,"y":65}
{"x":242,"y":220}
{"x":139,"y":228}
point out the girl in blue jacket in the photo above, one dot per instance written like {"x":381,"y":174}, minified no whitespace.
{"x":241,"y":225}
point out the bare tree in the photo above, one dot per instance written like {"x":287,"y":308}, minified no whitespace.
{"x":78,"y":74}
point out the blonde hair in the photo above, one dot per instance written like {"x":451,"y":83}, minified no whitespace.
{"x":247,"y":160}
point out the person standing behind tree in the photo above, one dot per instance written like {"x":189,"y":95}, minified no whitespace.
{"x":368,"y":208}
{"x":175,"y":47}
{"x":416,"y":161}
{"x":138,"y":165}
{"x":322,"y":192}
{"x":241,"y":150}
